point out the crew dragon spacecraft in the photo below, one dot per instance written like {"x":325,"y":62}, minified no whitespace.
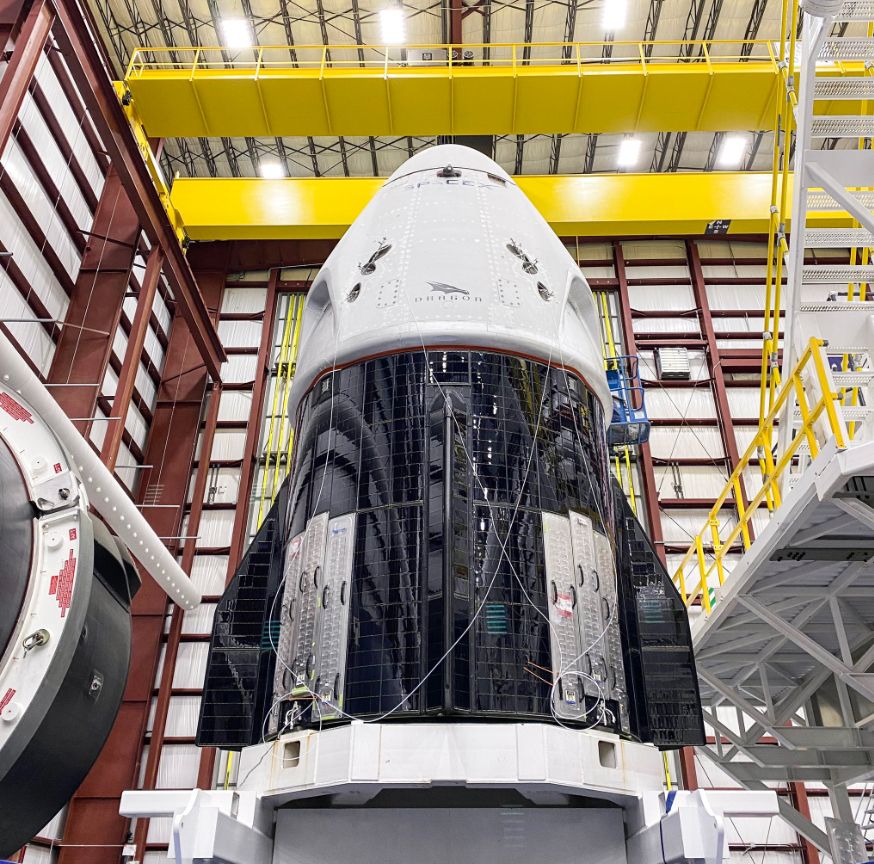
{"x":451,"y":545}
{"x":449,"y":621}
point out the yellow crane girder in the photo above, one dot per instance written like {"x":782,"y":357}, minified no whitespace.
{"x":505,"y":89}
{"x":590,"y":205}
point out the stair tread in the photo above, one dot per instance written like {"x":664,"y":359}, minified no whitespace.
{"x":828,"y":273}
{"x":824,"y":201}
{"x":847,"y":48}
{"x":866,"y":306}
{"x":850,"y":87}
{"x":837,"y":238}
{"x":841,"y":126}
{"x":856,"y":10}
{"x":851,"y":413}
{"x":851,"y":379}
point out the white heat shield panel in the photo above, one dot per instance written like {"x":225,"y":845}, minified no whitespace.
{"x":610,"y":645}
{"x":282,"y":677}
{"x":585,"y":638}
{"x":563,"y":617}
{"x":588,"y":581}
{"x":303,"y":671}
{"x":332,"y":618}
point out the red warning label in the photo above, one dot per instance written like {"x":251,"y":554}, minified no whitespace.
{"x":7,"y":698}
{"x":564,"y":606}
{"x":62,"y":584}
{"x":14,"y":410}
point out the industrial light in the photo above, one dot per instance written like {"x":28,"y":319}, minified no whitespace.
{"x":272,"y":171}
{"x":236,"y":33}
{"x":614,"y":15}
{"x":731,"y":151}
{"x":393,"y":25}
{"x":629,"y":152}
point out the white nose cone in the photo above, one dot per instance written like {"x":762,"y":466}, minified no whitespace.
{"x":451,"y":254}
{"x":450,"y":155}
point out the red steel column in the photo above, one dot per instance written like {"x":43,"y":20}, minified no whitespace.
{"x":26,"y":54}
{"x":94,"y":831}
{"x":456,"y":14}
{"x":130,"y":366}
{"x":723,"y":413}
{"x":650,"y":490}
{"x":798,"y":797}
{"x":212,"y":286}
{"x":253,"y":432}
{"x":247,"y":472}
{"x":85,"y":343}
{"x":165,"y":686}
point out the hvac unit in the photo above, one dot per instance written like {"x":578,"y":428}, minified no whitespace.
{"x":672,"y":364}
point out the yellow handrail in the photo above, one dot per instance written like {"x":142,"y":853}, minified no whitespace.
{"x":641,"y":52}
{"x":784,"y":118}
{"x":814,"y":399}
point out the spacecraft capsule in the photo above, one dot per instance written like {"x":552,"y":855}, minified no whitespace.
{"x":451,"y":542}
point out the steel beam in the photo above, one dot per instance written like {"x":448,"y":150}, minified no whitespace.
{"x":650,"y":490}
{"x":616,"y":205}
{"x":174,"y":637}
{"x":248,"y":471}
{"x":94,"y":832}
{"x":130,"y":365}
{"x":21,"y":67}
{"x":717,"y":375}
{"x":848,"y":674}
{"x":85,"y":344}
{"x":77,"y":39}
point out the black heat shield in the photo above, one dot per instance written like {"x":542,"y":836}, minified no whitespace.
{"x":657,"y":645}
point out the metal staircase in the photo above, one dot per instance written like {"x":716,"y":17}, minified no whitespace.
{"x":783,"y":618}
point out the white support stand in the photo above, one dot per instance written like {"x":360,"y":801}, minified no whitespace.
{"x":313,"y":796}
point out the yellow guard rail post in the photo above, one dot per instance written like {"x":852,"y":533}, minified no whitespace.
{"x":694,"y":577}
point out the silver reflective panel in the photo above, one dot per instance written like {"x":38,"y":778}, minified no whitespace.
{"x":332,"y":617}
{"x":610,"y":646}
{"x":564,"y":632}
{"x":282,"y":677}
{"x":582,"y":596}
{"x":588,"y":581}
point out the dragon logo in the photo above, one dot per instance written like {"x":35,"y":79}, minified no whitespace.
{"x":443,"y":288}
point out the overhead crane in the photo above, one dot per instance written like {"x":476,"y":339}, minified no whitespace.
{"x":590,"y":205}
{"x":506,"y":89}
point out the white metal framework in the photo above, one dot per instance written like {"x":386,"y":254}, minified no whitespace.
{"x":785,"y":648}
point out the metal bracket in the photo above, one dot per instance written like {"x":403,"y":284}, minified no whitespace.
{"x":56,"y":493}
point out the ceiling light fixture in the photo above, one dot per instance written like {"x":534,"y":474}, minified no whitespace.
{"x":393,"y":26}
{"x":629,"y":152}
{"x":731,"y":151}
{"x":236,"y":33}
{"x":272,"y":171}
{"x":614,"y":16}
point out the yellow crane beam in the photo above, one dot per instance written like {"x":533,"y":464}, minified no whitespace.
{"x":591,"y":205}
{"x":505,"y":89}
